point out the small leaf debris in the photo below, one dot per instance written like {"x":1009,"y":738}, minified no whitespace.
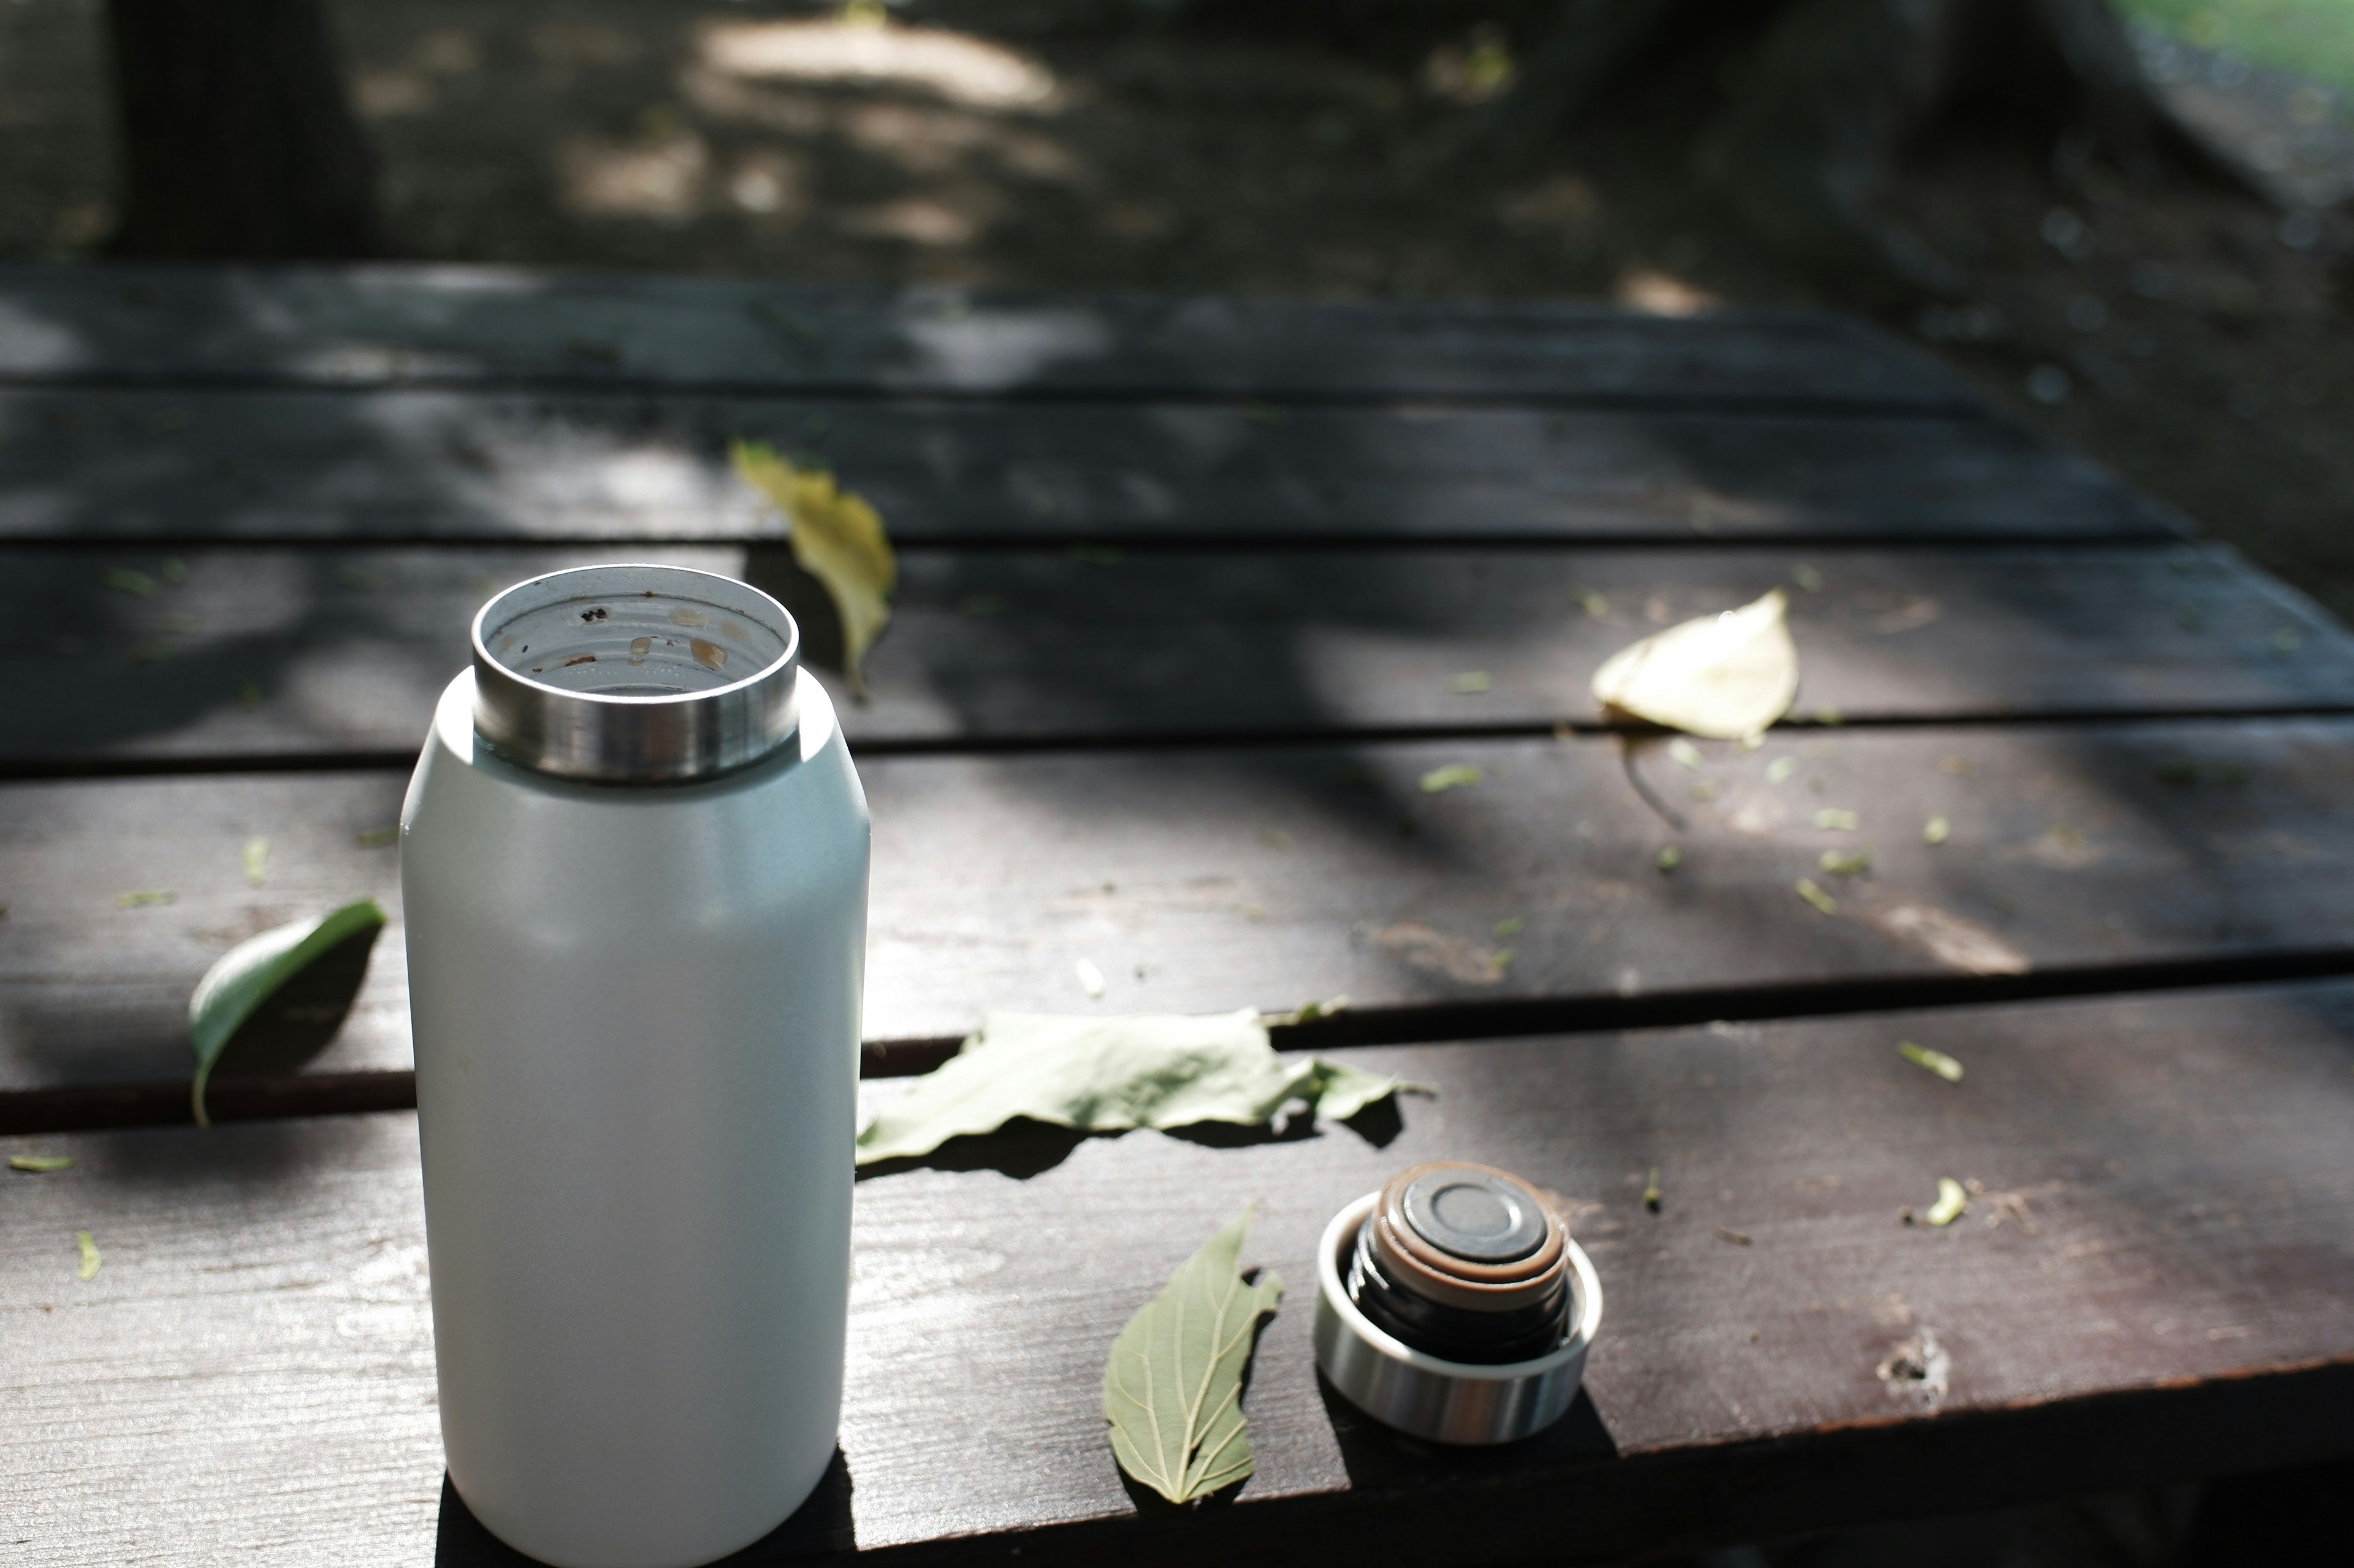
{"x":1592,"y":602}
{"x":1453,"y":776}
{"x":1834,"y":819}
{"x":1935,"y":831}
{"x":137,"y":584}
{"x":1173,"y":1386}
{"x":1951,"y":1202}
{"x":256,"y":856}
{"x":1807,"y":577}
{"x":40,"y":1164}
{"x":1936,"y":1062}
{"x":1823,"y":902}
{"x":1779,"y":770}
{"x":1510,"y":926}
{"x":1850,"y":863}
{"x":1684,"y":751}
{"x":1735,"y":1238}
{"x":1469,"y":682}
{"x":144,"y":897}
{"x":1668,"y":859}
{"x":1091,"y":979}
{"x":1651,"y":1192}
{"x":89,"y":1258}
{"x":377,"y":838}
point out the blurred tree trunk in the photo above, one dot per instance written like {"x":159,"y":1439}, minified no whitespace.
{"x":1822,"y":100}
{"x":237,"y":139}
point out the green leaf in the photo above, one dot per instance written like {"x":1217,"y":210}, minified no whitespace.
{"x":1853,"y":862}
{"x":1109,"y":1074}
{"x":1951,"y":1202}
{"x":89,"y":1259}
{"x":1936,"y":1062}
{"x":1453,"y":776}
{"x":1172,"y":1389}
{"x":250,"y":972}
{"x":1833,"y":820}
{"x":1727,"y":676}
{"x":40,"y":1164}
{"x":1670,"y":858}
{"x":837,"y":537}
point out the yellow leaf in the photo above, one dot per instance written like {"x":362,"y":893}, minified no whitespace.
{"x":837,"y":537}
{"x":1951,"y":1202}
{"x":1726,"y":676}
{"x":89,"y":1254}
{"x":1823,"y":902}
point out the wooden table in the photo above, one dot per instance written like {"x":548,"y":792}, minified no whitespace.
{"x":1186,"y":588}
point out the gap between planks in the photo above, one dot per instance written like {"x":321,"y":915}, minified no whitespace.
{"x":98,"y":1107}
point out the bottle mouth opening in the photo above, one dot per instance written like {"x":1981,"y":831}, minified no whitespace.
{"x":635,"y":673}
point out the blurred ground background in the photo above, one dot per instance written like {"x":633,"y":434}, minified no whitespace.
{"x":2201,"y":343}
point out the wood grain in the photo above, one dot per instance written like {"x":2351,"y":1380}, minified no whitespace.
{"x":1201,"y":880}
{"x":2154,"y":1278}
{"x":225,"y":464}
{"x":390,"y":326}
{"x":283,"y":653}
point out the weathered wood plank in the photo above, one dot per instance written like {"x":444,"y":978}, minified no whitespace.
{"x":292,"y":653}
{"x":389,"y":325}
{"x":2156,"y":1278}
{"x":451,"y":464}
{"x":1211,"y":879}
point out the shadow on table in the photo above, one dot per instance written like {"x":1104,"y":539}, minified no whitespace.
{"x":821,"y":1525}
{"x":1377,"y":1457}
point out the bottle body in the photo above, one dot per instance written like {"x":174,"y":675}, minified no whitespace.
{"x":636,"y":1014}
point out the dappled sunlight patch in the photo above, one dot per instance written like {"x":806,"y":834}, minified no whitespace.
{"x":663,"y":181}
{"x":1659,"y":293}
{"x":959,"y":67}
{"x":930,"y":140}
{"x":915,"y":221}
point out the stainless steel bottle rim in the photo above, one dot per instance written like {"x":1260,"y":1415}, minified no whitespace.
{"x":1449,"y":1401}
{"x":629,"y":673}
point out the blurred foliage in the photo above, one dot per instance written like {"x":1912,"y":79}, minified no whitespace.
{"x":2313,"y":37}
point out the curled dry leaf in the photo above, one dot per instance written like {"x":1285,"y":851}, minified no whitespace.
{"x":1726,"y":676}
{"x":837,"y":537}
{"x":249,"y":973}
{"x":1109,"y":1075}
{"x":1172,"y":1389}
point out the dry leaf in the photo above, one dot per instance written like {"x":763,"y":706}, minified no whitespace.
{"x":1109,"y":1075}
{"x":1727,"y":676}
{"x":837,"y":537}
{"x":1172,"y":1389}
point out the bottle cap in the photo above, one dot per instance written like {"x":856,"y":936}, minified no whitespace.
{"x":635,"y":674}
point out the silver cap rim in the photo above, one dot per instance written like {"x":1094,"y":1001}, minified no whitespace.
{"x":607,"y":737}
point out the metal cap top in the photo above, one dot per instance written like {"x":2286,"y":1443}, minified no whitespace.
{"x":634,"y":674}
{"x":1474,"y":1214}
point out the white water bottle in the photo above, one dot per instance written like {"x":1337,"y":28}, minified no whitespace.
{"x":634,"y":861}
